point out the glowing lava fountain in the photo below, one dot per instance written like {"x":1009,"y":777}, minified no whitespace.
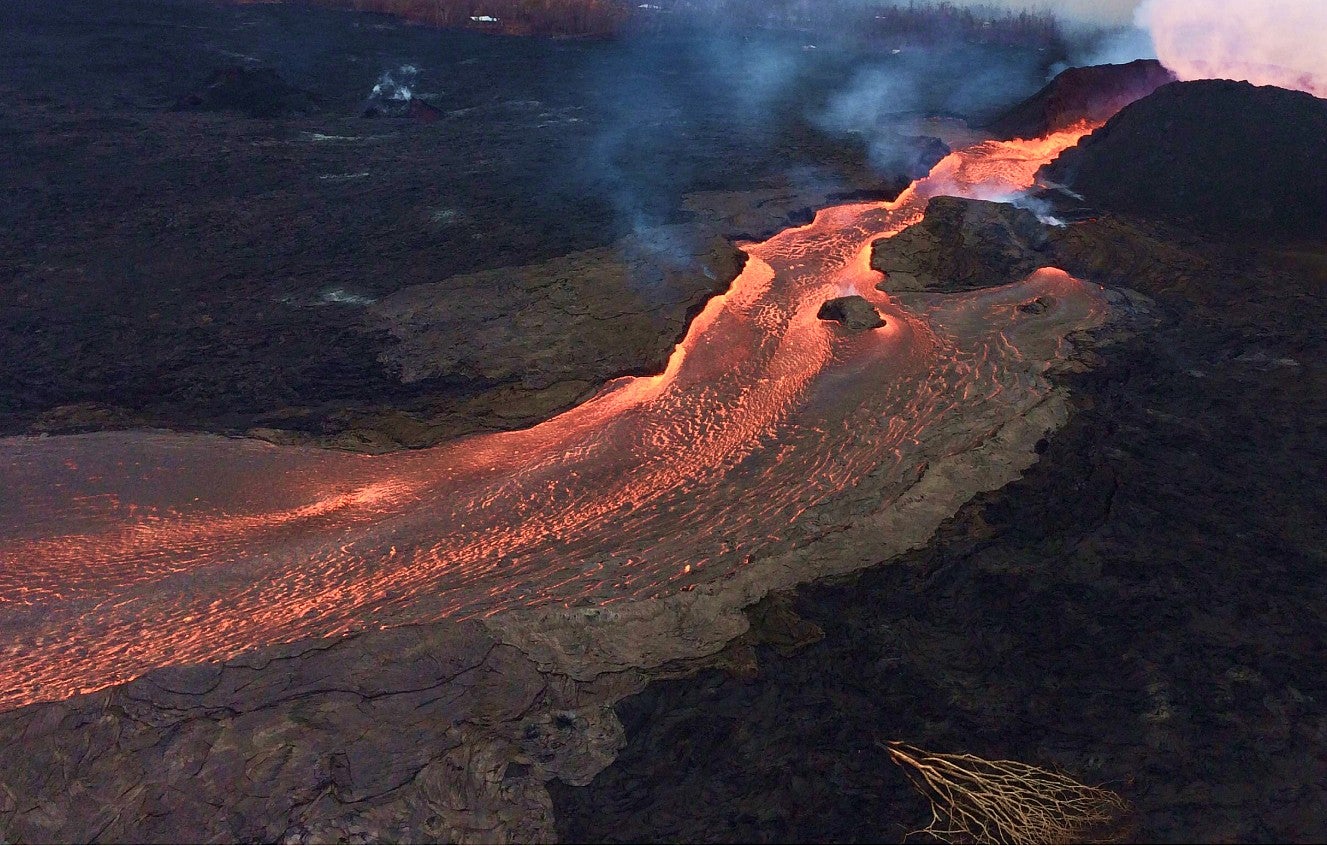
{"x":121,"y":552}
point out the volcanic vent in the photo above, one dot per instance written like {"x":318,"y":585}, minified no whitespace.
{"x":1225,"y":157}
{"x":1090,"y":94}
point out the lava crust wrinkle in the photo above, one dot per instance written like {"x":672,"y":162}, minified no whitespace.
{"x":133,"y":550}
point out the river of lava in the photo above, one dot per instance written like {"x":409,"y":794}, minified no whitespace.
{"x":124,"y":551}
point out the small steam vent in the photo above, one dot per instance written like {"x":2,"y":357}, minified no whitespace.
{"x":393,"y":96}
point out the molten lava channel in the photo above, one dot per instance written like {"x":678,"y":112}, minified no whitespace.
{"x":121,"y":552}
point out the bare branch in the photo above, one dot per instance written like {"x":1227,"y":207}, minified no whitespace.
{"x":993,"y":801}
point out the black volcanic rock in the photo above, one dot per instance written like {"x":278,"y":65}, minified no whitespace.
{"x":255,"y":92}
{"x":1092,"y":93}
{"x":423,"y":112}
{"x":414,"y":109}
{"x":450,"y":739}
{"x":214,"y":272}
{"x":959,"y":245}
{"x":925,"y":152}
{"x":855,"y":313}
{"x":1222,"y":157}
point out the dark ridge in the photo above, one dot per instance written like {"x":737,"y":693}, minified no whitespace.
{"x":255,"y":92}
{"x":1091,"y":93}
{"x":414,"y":109}
{"x":1222,"y":157}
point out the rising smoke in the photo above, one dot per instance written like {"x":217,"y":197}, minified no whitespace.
{"x":664,"y":105}
{"x":1114,"y":46}
{"x":1266,"y":42}
{"x":956,"y":80}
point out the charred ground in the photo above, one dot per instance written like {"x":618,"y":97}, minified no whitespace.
{"x":201,"y":216}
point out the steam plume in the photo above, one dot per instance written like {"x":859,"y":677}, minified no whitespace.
{"x":1266,"y":42}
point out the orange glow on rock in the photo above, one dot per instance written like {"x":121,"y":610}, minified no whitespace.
{"x":121,"y":552}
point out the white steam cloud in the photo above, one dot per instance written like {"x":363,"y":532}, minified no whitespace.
{"x":1266,"y":42}
{"x":397,"y":85}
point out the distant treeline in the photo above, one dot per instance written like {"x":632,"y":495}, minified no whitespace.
{"x":863,"y":19}
{"x":512,"y":17}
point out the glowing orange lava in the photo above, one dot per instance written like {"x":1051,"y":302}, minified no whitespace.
{"x":120,"y":552}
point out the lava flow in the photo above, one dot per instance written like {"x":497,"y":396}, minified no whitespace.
{"x":121,"y":552}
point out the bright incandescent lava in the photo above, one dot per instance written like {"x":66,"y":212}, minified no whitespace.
{"x":121,"y":552}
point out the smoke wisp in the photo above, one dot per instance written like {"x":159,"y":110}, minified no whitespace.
{"x":396,"y":86}
{"x":881,"y":98}
{"x":1266,"y":42}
